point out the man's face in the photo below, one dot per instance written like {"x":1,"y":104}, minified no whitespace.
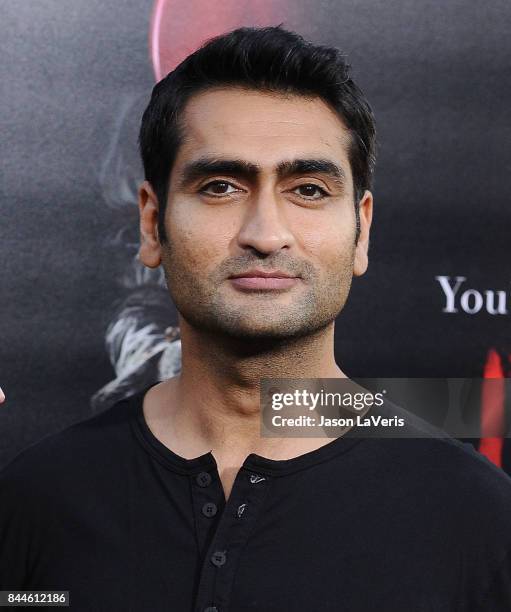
{"x":261,"y":183}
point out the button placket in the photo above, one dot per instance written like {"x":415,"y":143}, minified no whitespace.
{"x":234,"y":527}
{"x":207,"y":496}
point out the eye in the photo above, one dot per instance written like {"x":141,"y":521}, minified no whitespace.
{"x":308,"y":191}
{"x":218,"y":188}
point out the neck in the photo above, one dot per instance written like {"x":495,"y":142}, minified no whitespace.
{"x":216,"y":397}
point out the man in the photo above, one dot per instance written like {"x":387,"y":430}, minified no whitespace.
{"x":258,"y":153}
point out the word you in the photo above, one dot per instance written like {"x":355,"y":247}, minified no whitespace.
{"x":471,"y":301}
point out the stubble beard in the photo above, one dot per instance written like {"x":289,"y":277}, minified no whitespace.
{"x":264,"y":318}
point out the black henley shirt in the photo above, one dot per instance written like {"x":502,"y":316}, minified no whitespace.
{"x":106,"y":511}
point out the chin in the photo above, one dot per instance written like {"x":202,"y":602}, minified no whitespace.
{"x":262,"y":332}
{"x":277,"y":324}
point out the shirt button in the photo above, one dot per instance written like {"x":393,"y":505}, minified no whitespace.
{"x":209,"y":509}
{"x":218,"y":558}
{"x":203,"y":479}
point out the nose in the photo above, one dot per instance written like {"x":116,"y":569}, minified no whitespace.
{"x":264,"y":226}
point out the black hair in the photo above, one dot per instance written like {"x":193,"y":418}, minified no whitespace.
{"x":270,"y":59}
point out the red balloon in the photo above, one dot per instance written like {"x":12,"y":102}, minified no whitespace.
{"x":178,"y":28}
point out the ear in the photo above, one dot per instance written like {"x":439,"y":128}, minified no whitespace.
{"x":149,"y":251}
{"x":366,"y":215}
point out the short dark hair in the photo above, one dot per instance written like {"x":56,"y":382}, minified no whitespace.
{"x":269,"y":59}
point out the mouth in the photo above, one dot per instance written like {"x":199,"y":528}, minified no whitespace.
{"x":261,"y":280}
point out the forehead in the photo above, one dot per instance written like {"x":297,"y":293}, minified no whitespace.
{"x":261,"y":127}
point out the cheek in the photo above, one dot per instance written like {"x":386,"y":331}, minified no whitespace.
{"x":199,"y":241}
{"x":329,"y":241}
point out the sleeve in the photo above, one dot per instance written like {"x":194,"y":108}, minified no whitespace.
{"x":497,"y":596}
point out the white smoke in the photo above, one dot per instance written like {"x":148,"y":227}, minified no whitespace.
{"x":142,"y":346}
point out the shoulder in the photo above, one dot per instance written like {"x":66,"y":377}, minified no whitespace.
{"x":447,"y":478}
{"x":52,"y":481}
{"x":454,"y":496}
{"x":424,"y":450}
{"x":83,"y":447}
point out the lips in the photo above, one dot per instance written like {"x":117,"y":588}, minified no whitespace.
{"x":263,"y":274}
{"x":261,"y":280}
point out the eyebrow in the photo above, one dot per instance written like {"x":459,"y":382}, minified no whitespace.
{"x":207,"y":166}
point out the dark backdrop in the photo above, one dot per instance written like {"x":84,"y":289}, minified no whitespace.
{"x":75,"y":78}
